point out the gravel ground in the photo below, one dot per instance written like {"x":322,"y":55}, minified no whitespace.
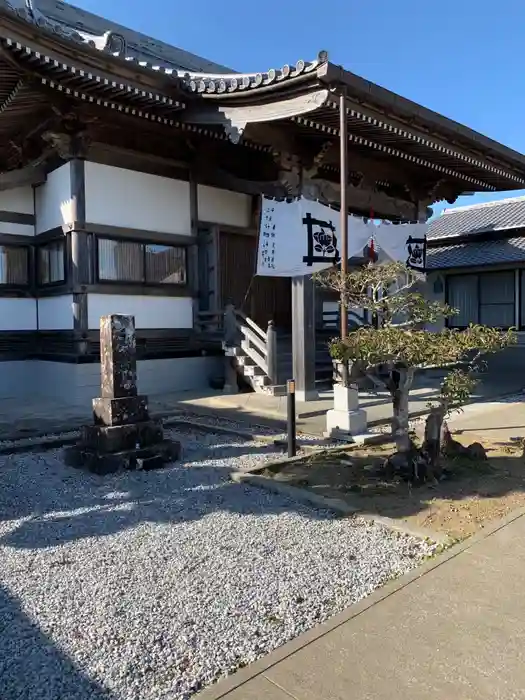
{"x":152,"y":585}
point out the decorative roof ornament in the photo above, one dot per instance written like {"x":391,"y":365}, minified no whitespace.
{"x":109,"y":42}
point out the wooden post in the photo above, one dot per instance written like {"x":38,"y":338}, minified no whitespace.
{"x":343,"y":144}
{"x":271,"y":348}
{"x":303,"y":337}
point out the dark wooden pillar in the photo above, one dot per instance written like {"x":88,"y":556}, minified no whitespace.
{"x":303,"y":337}
{"x":80,"y":270}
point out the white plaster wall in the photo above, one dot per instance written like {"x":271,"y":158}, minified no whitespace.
{"x":20,"y":199}
{"x":17,"y":314}
{"x":149,"y":312}
{"x":17,"y":229}
{"x":53,"y":200}
{"x":224,"y":207}
{"x":130,"y":199}
{"x":77,"y":384}
{"x":55,"y":313}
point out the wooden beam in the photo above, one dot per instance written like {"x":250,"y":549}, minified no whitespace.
{"x":31,"y":175}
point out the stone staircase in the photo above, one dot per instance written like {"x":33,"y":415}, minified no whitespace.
{"x":256,"y":376}
{"x":263,"y":359}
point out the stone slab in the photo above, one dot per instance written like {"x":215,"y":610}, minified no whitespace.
{"x":144,"y":459}
{"x":128,"y":409}
{"x":117,"y":438}
{"x":260,"y":689}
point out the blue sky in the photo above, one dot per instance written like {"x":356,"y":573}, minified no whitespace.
{"x":462,"y":58}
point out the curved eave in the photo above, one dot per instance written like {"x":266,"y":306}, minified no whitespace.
{"x":72,"y":78}
{"x":228,"y":86}
{"x":427,"y":130}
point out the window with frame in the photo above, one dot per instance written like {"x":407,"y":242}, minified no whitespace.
{"x":165,"y":264}
{"x":52,"y":262}
{"x":487,"y":298}
{"x":120,"y":261}
{"x":14,"y":266}
{"x":141,"y":263}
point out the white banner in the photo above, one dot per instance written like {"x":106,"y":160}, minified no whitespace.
{"x":300,"y":237}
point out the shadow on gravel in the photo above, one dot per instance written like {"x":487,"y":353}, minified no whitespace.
{"x":32,"y":667}
{"x":61,"y":505}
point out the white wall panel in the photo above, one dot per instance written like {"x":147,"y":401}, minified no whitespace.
{"x":19,"y":199}
{"x":53,"y":200}
{"x":149,"y":312}
{"x":130,"y":199}
{"x":17,"y":229}
{"x":17,"y":314}
{"x":76,"y":384}
{"x":224,"y":207}
{"x":55,"y":313}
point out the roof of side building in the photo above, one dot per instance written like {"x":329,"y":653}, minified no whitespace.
{"x":500,"y":215}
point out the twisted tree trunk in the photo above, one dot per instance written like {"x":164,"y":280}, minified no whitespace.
{"x":400,"y":383}
{"x":436,"y":434}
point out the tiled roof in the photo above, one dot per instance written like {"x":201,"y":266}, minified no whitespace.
{"x":85,"y":27}
{"x":479,"y":218}
{"x":198,"y":74}
{"x":479,"y":253}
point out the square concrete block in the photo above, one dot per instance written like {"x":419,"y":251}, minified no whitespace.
{"x":345,"y":422}
{"x":345,"y":398}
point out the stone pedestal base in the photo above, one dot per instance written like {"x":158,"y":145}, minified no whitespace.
{"x":345,"y":423}
{"x":345,"y":419}
{"x":104,"y":449}
{"x":102,"y":463}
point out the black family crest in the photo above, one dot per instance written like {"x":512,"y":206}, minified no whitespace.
{"x":417,"y":253}
{"x":322,"y":242}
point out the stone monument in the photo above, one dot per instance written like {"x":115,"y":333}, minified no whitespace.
{"x":123,"y":436}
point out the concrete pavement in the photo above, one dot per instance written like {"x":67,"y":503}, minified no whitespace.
{"x":454,"y":628}
{"x":28,"y":417}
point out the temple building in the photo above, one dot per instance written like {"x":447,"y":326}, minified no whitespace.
{"x":131,"y":175}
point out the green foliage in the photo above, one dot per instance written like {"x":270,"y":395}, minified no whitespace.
{"x":402,"y":341}
{"x":456,"y":388}
{"x":386,"y":290}
{"x":404,"y":346}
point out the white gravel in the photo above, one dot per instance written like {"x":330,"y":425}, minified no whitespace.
{"x":152,"y":585}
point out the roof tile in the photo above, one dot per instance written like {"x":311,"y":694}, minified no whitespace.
{"x":480,"y":253}
{"x":479,"y":218}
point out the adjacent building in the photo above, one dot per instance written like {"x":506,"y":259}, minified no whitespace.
{"x":476,"y":262}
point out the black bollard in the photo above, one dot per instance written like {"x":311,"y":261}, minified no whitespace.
{"x":292,"y":439}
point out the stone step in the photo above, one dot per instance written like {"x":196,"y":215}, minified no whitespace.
{"x":245,"y":361}
{"x":253,"y":371}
